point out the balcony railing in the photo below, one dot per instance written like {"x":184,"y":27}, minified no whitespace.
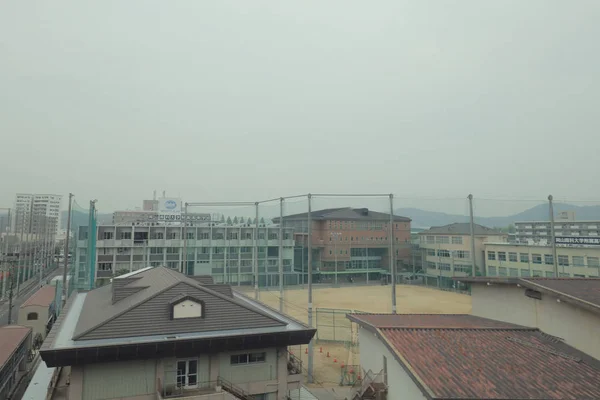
{"x":202,"y":390}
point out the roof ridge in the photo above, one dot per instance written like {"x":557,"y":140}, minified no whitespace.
{"x":461,"y":328}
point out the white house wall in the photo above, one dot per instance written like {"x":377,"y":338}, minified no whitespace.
{"x":578,"y":327}
{"x":372,"y":351}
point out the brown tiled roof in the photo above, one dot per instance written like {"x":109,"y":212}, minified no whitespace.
{"x":584,"y":292}
{"x":447,"y":321}
{"x":471,"y":359}
{"x":11,"y":337}
{"x":43,"y":297}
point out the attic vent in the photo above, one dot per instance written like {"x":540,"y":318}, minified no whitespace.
{"x":363,"y":211}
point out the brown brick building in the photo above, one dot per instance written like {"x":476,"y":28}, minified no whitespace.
{"x":357,"y":239}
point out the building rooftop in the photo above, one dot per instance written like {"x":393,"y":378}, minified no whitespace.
{"x":467,"y":357}
{"x":11,"y":336}
{"x":344,"y":213}
{"x":134,"y":315}
{"x":461,"y":228}
{"x":43,"y":297}
{"x":583,"y":292}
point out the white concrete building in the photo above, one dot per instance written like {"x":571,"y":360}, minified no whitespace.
{"x":522,"y":260}
{"x":446,"y":250}
{"x":226,"y":252}
{"x":412,"y":356}
{"x":565,"y":225}
{"x":36,"y":213}
{"x":566,"y":308}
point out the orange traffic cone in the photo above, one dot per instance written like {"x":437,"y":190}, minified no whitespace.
{"x":306,"y":351}
{"x":328,"y":354}
{"x":335,"y":360}
{"x":320,"y":349}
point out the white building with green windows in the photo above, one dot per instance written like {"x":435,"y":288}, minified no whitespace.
{"x":230,"y":253}
{"x":523,"y":260}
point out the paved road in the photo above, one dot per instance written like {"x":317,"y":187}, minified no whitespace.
{"x":24,"y":295}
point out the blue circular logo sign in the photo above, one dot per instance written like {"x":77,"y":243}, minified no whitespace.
{"x":170,"y":204}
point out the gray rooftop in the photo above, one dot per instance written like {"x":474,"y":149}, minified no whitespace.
{"x":345,"y":213}
{"x":461,"y":228}
{"x":140,"y":303}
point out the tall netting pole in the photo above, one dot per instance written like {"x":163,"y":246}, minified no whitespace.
{"x":392,"y":254}
{"x":310,"y":297}
{"x":255,"y":253}
{"x":280,"y":254}
{"x":553,"y":236}
{"x":472,"y":229}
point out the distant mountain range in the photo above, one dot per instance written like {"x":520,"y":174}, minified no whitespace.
{"x":425,"y":219}
{"x":420,"y":218}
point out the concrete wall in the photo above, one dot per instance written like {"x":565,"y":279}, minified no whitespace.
{"x":133,"y":380}
{"x":509,"y":304}
{"x":372,"y":351}
{"x":39,"y":325}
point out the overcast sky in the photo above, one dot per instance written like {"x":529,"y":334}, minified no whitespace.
{"x":243,"y":100}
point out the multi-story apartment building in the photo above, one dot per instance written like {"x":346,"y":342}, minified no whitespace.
{"x":522,"y":260}
{"x":350,"y":241}
{"x":158,"y":334}
{"x":36,"y":214}
{"x":565,"y":226}
{"x":447,"y":250}
{"x":225,"y":251}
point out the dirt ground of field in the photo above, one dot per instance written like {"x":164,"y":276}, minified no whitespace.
{"x":375,"y":299}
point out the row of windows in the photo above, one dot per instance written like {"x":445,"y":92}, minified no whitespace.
{"x":515,"y":272}
{"x":442,"y":239}
{"x":448,"y":253}
{"x":361,"y":225}
{"x":201,"y":236}
{"x":448,"y":267}
{"x":548,"y":259}
{"x":248,"y":358}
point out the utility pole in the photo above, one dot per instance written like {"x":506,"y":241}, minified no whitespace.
{"x":256,"y":275}
{"x":392,"y":255}
{"x":20,"y":269}
{"x":281,"y":294}
{"x":310,"y":297}
{"x":551,"y":210}
{"x":472,"y":225}
{"x":335,"y":236}
{"x":10,"y":294}
{"x":66,"y":254}
{"x":5,"y":254}
{"x":185,"y":222}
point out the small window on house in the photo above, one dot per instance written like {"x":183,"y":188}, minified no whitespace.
{"x":187,"y":308}
{"x":32,"y":316}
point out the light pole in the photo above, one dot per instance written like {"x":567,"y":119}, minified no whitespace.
{"x":335,"y":236}
{"x":5,"y":253}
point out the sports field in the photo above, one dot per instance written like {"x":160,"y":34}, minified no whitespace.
{"x":375,"y":299}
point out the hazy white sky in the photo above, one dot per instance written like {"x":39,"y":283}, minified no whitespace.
{"x":242,"y":100}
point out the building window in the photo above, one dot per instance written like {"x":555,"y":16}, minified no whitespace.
{"x":442,"y":239}
{"x":537,"y":273}
{"x":536,"y":258}
{"x":444,"y":267}
{"x":549,"y":274}
{"x":548,"y":259}
{"x":204,"y":236}
{"x":457,"y":240}
{"x":513,"y":272}
{"x":443,"y":253}
{"x":562,"y":274}
{"x":431,"y":265}
{"x":107,"y":235}
{"x":502,"y":271}
{"x":463,"y":254}
{"x":492,"y":271}
{"x":491,"y":255}
{"x":563,"y":261}
{"x":431,"y":252}
{"x":578,"y":261}
{"x":32,"y":316}
{"x":593,"y":262}
{"x":172,"y":235}
{"x":172,"y":250}
{"x":156,"y":250}
{"x":248,"y":358}
{"x":524,"y":257}
{"x":525,"y":273}
{"x":431,"y":239}
{"x":501,"y":256}
{"x":512,"y":257}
